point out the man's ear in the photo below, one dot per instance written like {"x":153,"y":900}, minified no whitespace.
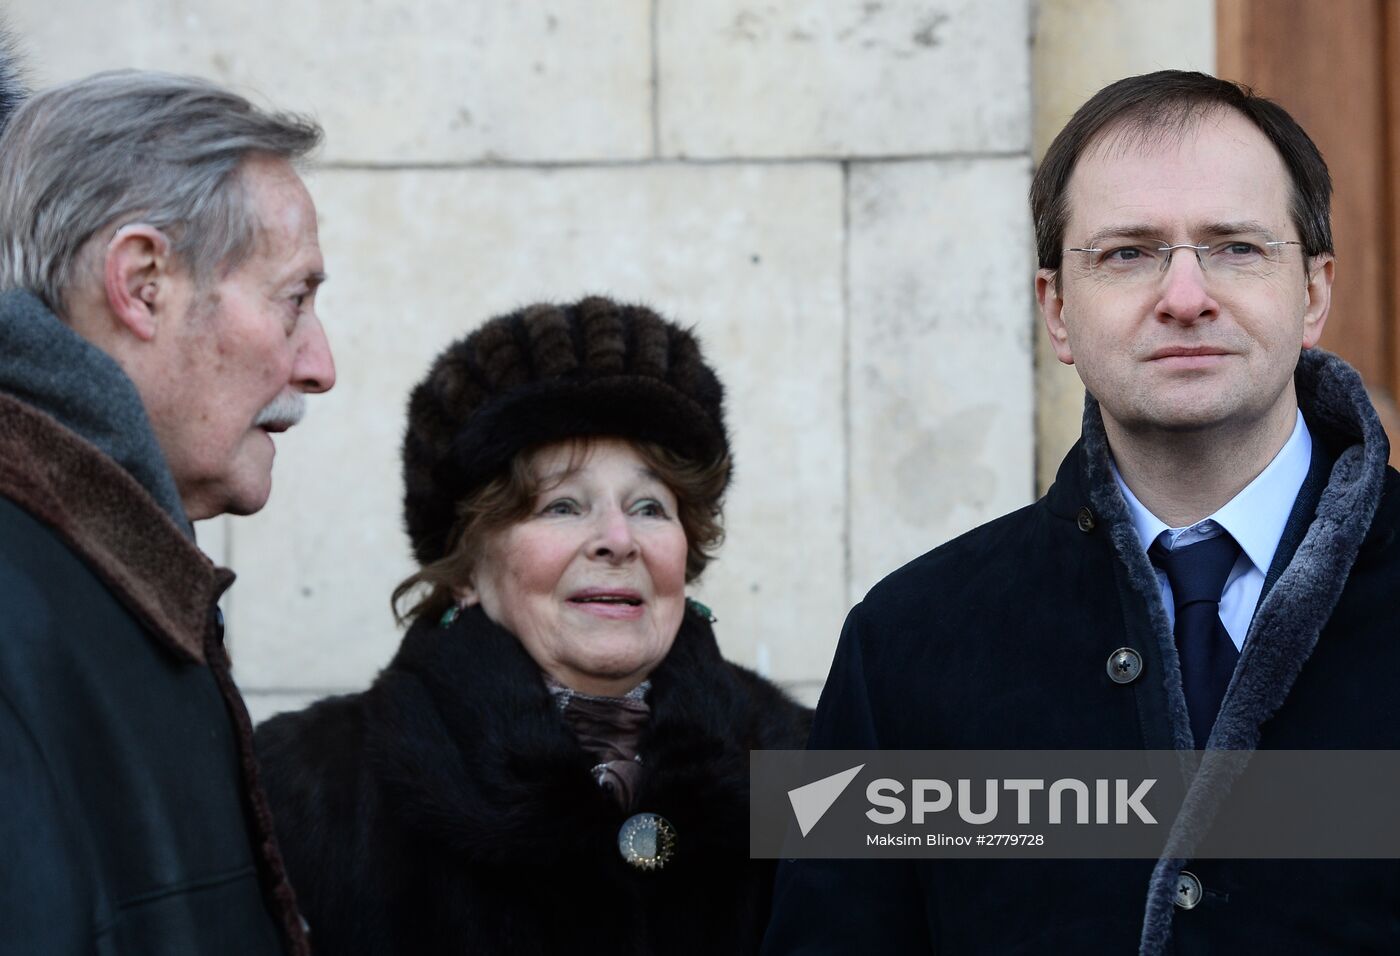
{"x":1319,"y":301}
{"x":1052,"y":309}
{"x":136,"y":275}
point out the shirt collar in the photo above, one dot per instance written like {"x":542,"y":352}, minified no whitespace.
{"x":1256,"y":516}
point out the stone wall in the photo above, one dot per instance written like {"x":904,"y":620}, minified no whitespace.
{"x":832,"y":192}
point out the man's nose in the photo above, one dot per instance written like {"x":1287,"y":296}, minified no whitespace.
{"x":314,"y":369}
{"x":1184,"y":286}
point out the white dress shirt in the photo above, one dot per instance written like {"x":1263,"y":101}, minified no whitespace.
{"x":1255,"y":518}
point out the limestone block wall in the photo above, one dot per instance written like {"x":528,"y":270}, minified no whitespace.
{"x":832,"y":192}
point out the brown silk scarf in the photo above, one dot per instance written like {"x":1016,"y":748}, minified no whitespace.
{"x":609,"y":728}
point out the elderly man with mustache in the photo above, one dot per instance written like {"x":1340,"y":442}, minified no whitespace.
{"x":159,"y":261}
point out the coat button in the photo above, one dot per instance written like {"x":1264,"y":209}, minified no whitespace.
{"x":1124,"y":665}
{"x":1188,"y":890}
{"x":1085,"y":520}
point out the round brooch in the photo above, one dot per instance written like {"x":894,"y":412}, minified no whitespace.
{"x":647,"y":841}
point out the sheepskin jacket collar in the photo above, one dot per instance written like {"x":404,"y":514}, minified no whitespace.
{"x":109,"y":520}
{"x":1305,"y":588}
{"x":473,"y":753}
{"x":77,"y":451}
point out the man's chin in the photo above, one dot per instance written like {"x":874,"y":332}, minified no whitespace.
{"x":251,"y":497}
{"x":1181,"y":414}
{"x":246,"y":494}
{"x":239,"y":503}
{"x":247,"y":506}
{"x":251,"y":484}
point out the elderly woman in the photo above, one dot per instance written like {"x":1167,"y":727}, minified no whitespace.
{"x":556,"y":760}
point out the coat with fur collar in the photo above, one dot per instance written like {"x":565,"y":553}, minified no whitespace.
{"x":999,"y":640}
{"x":448,"y":809}
{"x":130,"y":814}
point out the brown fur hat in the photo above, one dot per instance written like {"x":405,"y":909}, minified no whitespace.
{"x":542,"y":374}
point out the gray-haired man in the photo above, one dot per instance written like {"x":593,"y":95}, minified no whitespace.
{"x":161,"y":264}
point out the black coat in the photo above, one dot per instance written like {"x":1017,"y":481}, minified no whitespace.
{"x":448,"y":809}
{"x":130,"y":819}
{"x":1000,"y":639}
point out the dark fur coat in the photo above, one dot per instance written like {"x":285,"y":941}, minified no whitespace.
{"x":448,"y":809}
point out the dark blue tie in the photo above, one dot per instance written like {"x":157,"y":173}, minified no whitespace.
{"x":1197,"y":575}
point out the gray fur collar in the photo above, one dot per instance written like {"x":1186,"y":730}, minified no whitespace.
{"x":48,"y":366}
{"x":1289,"y":619}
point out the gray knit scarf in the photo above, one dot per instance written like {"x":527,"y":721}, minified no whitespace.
{"x":48,"y":366}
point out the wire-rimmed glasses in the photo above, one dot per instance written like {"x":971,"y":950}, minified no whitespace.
{"x":1130,"y":259}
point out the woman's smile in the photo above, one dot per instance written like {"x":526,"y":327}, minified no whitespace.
{"x":622,"y":604}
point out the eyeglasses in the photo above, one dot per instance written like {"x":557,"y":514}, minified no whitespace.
{"x":1127,"y":260}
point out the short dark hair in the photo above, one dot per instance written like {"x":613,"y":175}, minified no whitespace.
{"x":1174,"y":100}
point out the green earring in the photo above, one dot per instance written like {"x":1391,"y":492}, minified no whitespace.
{"x":697,"y":608}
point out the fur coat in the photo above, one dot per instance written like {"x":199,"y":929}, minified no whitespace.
{"x":448,"y":809}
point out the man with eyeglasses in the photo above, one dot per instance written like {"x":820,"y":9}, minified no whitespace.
{"x":1215,"y":567}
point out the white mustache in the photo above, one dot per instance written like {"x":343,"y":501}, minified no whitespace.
{"x":287,"y":409}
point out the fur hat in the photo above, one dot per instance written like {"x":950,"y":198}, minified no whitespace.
{"x":542,"y":374}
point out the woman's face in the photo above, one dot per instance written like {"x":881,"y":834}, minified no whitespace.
{"x":592,"y":582}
